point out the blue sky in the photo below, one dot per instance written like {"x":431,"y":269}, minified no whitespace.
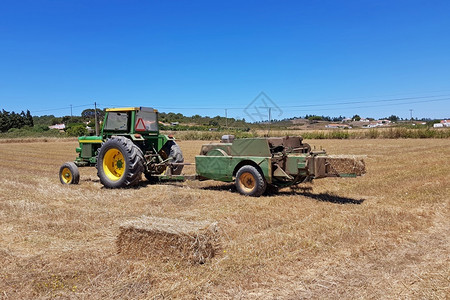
{"x":372,"y":58}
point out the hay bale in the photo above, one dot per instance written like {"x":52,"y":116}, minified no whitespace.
{"x":168,"y":238}
{"x":345,"y":164}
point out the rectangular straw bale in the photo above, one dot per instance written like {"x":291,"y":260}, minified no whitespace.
{"x":168,"y":238}
{"x":346,"y":164}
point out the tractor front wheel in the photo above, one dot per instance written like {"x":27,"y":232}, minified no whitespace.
{"x":119,"y":163}
{"x":69,"y":174}
{"x":250,"y":181}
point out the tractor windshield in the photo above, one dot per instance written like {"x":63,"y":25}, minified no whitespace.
{"x":117,"y":121}
{"x":146,"y":121}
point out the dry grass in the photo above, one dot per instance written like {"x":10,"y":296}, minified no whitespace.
{"x":384,"y":235}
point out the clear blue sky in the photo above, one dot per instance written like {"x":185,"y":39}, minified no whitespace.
{"x":204,"y":56}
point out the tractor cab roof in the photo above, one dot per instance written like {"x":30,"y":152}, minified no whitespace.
{"x":122,"y":109}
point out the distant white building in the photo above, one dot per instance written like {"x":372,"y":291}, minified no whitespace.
{"x":443,"y":123}
{"x":372,"y":125}
{"x":58,"y":126}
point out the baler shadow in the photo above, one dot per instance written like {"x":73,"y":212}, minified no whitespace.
{"x":222,"y":187}
{"x":326,"y":197}
{"x":272,"y":192}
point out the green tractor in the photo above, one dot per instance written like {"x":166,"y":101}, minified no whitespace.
{"x":129,"y":145}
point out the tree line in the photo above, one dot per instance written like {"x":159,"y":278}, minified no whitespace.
{"x":76,"y":125}
{"x":10,"y":120}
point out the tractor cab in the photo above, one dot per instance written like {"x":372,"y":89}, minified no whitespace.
{"x":132,"y":120}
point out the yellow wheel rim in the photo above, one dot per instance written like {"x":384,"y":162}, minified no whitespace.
{"x":114,"y":164}
{"x":66,"y":175}
{"x":247,"y":181}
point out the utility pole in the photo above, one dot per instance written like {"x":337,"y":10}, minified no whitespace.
{"x":96,"y":121}
{"x":270,"y":119}
{"x":226,"y":118}
{"x":71,"y":111}
{"x":410,"y":113}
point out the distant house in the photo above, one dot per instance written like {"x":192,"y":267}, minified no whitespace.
{"x":58,"y":126}
{"x":364,"y":120}
{"x":443,"y":123}
{"x":175,"y":123}
{"x":346,"y":120}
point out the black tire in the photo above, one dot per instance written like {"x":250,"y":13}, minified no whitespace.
{"x":120,"y":163}
{"x":174,"y":151}
{"x":250,"y":182}
{"x":306,"y":148}
{"x":69,"y":173}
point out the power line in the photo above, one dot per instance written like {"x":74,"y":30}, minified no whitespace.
{"x":404,"y":100}
{"x":374,"y":101}
{"x":312,"y":105}
{"x":62,"y":108}
{"x":383,"y":105}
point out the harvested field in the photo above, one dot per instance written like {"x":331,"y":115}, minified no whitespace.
{"x":384,"y":235}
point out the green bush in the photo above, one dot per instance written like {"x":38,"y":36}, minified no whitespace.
{"x":40,"y":128}
{"x":77,"y":130}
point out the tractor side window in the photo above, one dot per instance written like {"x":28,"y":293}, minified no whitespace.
{"x":146,"y":121}
{"x":117,"y":121}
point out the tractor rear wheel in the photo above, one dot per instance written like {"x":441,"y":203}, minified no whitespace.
{"x":174,"y":151}
{"x":69,"y":174}
{"x":250,"y":181}
{"x":119,"y":163}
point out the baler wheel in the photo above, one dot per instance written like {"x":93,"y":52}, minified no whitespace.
{"x":250,"y":181}
{"x":120,"y":163}
{"x":69,"y":174}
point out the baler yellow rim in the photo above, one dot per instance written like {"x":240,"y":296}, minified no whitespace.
{"x":247,"y":181}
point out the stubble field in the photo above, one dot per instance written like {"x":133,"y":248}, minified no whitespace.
{"x":384,"y":235}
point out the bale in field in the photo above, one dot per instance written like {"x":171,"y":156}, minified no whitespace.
{"x":345,"y":164}
{"x":168,"y":238}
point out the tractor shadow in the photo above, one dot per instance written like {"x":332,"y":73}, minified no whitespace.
{"x":88,"y":179}
{"x":147,"y":183}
